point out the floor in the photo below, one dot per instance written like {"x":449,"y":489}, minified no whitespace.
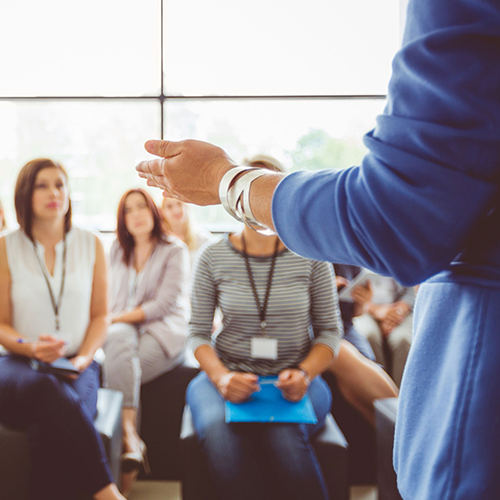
{"x":171,"y":490}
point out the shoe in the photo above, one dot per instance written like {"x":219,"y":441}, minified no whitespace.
{"x":133,"y":460}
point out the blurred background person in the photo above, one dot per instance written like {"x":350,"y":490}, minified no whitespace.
{"x":386,"y":322}
{"x":53,"y":288}
{"x":344,"y":273}
{"x":179,"y":223}
{"x":149,"y":313}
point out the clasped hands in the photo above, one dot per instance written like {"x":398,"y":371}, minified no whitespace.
{"x":49,"y":348}
{"x":390,"y":316}
{"x":238,"y":387}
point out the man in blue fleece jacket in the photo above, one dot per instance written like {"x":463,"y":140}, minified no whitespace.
{"x":423,"y":207}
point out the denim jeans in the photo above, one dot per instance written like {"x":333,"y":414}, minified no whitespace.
{"x":244,"y":457}
{"x":57,"y":413}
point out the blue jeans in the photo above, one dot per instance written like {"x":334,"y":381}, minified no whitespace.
{"x":65,"y":449}
{"x":244,"y":457}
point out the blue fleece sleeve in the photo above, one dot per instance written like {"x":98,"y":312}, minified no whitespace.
{"x":433,"y":167}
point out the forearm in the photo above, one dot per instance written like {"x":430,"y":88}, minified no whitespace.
{"x":10,"y":339}
{"x":359,"y":309}
{"x":317,"y":361}
{"x":210,"y":363}
{"x":135,"y":316}
{"x":95,"y":336}
{"x":261,"y":197}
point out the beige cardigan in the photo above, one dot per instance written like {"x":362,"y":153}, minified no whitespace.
{"x":162,"y":292}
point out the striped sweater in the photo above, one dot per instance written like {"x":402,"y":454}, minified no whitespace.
{"x":302,"y":309}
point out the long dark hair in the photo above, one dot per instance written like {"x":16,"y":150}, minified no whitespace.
{"x":125,"y":239}
{"x":23,"y":197}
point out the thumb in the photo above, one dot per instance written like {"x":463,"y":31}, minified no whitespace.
{"x":251,"y":377}
{"x":47,"y":338}
{"x":285,"y":375}
{"x":165,"y":149}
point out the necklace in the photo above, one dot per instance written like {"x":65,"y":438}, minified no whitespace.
{"x":55,"y":305}
{"x":262,"y":309}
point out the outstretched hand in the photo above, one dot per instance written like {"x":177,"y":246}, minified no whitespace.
{"x":189,"y":170}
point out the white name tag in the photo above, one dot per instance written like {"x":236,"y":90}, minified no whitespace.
{"x":264,"y":348}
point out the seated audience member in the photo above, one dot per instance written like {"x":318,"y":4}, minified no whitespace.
{"x":149,"y":313}
{"x":348,"y":310}
{"x":179,"y":223}
{"x":265,"y":290}
{"x":387,"y":324}
{"x":53,"y":303}
{"x":3,"y":222}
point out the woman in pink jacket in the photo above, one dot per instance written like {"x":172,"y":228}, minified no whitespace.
{"x":149,"y":306}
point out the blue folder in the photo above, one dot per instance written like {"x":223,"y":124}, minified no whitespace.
{"x":268,"y":405}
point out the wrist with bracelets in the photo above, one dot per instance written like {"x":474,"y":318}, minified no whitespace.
{"x":234,"y":194}
{"x":304,"y":372}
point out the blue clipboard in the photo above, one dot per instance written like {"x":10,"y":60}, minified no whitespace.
{"x":268,"y":405}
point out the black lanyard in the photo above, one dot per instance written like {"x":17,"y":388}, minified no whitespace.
{"x":55,"y":305}
{"x":262,"y":310}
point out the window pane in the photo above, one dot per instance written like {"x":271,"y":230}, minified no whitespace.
{"x":302,"y":134}
{"x":96,"y":48}
{"x":99,"y":143}
{"x":320,"y":47}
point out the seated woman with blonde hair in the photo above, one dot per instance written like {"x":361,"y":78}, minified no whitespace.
{"x":53,"y":304}
{"x":178,"y":222}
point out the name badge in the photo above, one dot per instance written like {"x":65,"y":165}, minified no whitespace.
{"x":264,"y":348}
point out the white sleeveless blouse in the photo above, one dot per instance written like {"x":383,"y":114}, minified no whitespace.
{"x":32,"y":310}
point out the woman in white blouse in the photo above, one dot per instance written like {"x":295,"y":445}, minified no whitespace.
{"x":53,"y":304}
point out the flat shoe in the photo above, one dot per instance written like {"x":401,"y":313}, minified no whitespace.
{"x":133,"y":460}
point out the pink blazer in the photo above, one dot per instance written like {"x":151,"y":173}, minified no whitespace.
{"x":162,"y":292}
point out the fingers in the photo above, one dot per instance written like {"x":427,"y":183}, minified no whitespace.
{"x":361,"y":294}
{"x":165,"y":149}
{"x":47,"y":338}
{"x":340,"y":281}
{"x":284,"y":377}
{"x":236,"y":387}
{"x":150,"y":168}
{"x":49,"y":348}
{"x":80,"y":362}
{"x":292,"y":385}
{"x":248,"y":382}
{"x":386,"y":328}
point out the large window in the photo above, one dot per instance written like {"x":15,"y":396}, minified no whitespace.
{"x":87,"y":83}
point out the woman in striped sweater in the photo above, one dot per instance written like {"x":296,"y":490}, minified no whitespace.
{"x":280,"y":317}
